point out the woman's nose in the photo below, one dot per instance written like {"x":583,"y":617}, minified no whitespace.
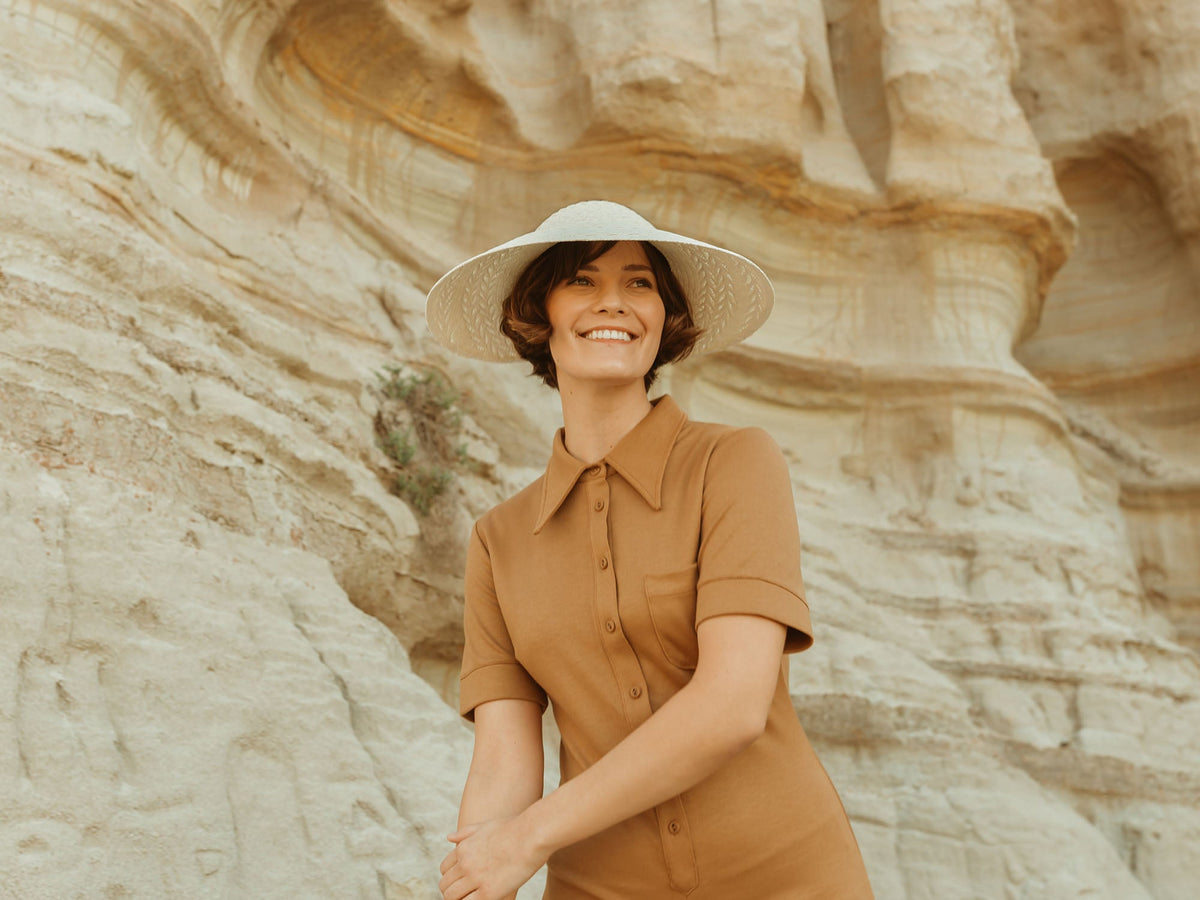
{"x":610,"y":300}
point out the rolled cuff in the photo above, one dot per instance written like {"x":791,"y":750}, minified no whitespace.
{"x":500,"y":681}
{"x":756,"y":597}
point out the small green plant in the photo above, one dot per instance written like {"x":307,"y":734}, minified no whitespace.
{"x":418,"y":427}
{"x":422,"y":486}
{"x":426,"y":389}
{"x":398,"y":444}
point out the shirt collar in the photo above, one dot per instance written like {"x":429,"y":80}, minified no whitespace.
{"x":640,"y":458}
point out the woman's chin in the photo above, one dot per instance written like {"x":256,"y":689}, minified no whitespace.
{"x":613,"y":379}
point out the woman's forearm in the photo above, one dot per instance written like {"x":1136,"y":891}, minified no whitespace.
{"x":497,"y":793}
{"x":685,"y":740}
{"x":720,"y":712}
{"x":507,"y":765}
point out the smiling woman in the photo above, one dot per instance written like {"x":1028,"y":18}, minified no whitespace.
{"x":606,"y":321}
{"x":648,"y":584}
{"x":615,"y":280}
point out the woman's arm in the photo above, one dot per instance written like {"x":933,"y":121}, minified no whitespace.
{"x":507,"y":764}
{"x":720,"y":712}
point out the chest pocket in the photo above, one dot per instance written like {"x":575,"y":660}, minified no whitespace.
{"x":671,"y":598}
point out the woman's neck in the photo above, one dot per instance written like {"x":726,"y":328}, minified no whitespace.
{"x":596,"y":417}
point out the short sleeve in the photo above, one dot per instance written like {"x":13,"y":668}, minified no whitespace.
{"x":490,"y":670}
{"x":749,"y":556}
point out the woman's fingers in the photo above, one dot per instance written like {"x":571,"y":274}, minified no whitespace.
{"x":450,"y":860}
{"x":453,"y":886}
{"x":460,"y":890}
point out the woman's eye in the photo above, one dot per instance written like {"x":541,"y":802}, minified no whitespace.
{"x":579,"y":279}
{"x":642,"y":283}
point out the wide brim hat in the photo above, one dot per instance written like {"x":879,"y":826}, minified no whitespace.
{"x":729,"y":295}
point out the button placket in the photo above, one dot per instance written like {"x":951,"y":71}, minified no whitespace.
{"x":678,"y":849}
{"x":630,"y":681}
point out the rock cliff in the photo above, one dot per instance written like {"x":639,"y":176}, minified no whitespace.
{"x":228,"y":643}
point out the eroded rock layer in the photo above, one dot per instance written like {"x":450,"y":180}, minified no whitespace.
{"x":228,"y":643}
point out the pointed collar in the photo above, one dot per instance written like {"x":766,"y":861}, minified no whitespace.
{"x":640,"y":458}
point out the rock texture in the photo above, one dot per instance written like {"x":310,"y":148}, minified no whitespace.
{"x":228,"y":649}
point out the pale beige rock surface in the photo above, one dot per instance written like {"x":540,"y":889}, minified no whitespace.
{"x":217,"y":224}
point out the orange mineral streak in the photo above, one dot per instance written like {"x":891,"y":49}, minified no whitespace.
{"x":364,"y":60}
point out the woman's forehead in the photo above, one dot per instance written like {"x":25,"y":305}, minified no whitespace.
{"x":622,"y":253}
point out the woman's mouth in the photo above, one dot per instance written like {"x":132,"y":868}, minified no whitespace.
{"x":607,"y":334}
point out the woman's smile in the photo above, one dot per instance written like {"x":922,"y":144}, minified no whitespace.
{"x":608,"y":334}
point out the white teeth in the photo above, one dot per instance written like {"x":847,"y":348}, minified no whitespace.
{"x":608,"y":334}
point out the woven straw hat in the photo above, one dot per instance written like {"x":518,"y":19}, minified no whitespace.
{"x":729,"y":295}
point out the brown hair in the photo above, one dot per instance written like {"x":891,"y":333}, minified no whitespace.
{"x":523,"y":316}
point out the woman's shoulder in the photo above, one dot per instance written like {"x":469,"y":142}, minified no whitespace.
{"x":519,"y":509}
{"x":721,"y":441}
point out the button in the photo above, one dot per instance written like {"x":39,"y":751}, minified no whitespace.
{"x":673,"y":826}
{"x":604,"y":562}
{"x":610,"y":626}
{"x":593,"y":470}
{"x":599,"y":505}
{"x":635,"y":692}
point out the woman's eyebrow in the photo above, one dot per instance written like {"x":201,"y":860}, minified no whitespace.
{"x":632,"y":267}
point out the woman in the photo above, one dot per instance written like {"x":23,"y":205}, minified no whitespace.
{"x":648,"y":584}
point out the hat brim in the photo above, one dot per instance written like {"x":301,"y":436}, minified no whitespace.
{"x":729,"y":295}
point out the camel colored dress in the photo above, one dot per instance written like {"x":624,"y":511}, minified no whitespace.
{"x":586,"y":589}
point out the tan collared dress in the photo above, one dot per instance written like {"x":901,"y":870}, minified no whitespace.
{"x":586,"y":588}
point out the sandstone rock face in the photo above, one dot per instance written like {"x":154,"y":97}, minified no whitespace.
{"x":228,"y":647}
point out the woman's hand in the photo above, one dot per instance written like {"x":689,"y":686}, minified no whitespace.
{"x":490,"y":861}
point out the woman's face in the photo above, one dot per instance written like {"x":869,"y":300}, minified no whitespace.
{"x":606,"y":322}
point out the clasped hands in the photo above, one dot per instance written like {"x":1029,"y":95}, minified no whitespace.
{"x":490,"y":860}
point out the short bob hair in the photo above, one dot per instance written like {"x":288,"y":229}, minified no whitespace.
{"x":524,"y":321}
